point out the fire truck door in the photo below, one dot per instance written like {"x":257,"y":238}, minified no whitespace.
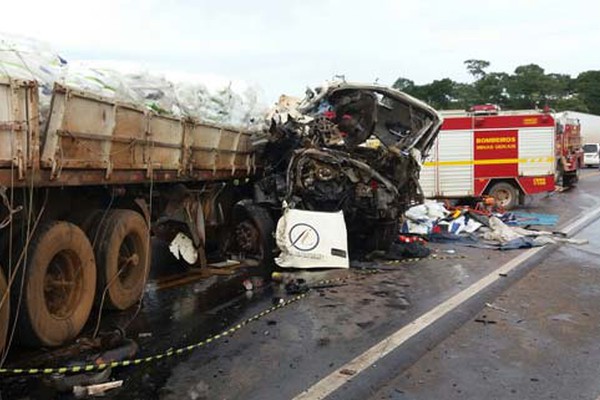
{"x":455,"y":163}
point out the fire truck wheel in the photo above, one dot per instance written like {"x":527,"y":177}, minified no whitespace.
{"x":58,"y":285}
{"x":123,"y":259}
{"x":4,"y":312}
{"x":506,"y":195}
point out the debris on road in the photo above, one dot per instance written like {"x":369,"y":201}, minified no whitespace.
{"x":65,"y":383}
{"x":126,"y":350}
{"x":95,"y":390}
{"x":495,"y":307}
{"x":247,"y":283}
{"x":484,"y":320}
{"x":404,"y":248}
{"x":296,"y":286}
{"x":309,"y":277}
{"x":348,"y":372}
{"x":480,"y":227}
{"x":518,"y":218}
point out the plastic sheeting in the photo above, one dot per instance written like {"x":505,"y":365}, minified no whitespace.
{"x":422,"y":218}
{"x":312,"y":239}
{"x":231,"y":104}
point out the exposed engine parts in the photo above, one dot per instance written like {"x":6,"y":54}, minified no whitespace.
{"x":349,"y":147}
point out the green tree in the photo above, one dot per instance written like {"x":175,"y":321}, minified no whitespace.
{"x":571,"y":103}
{"x":587,"y":86}
{"x":527,"y":87}
{"x":465,"y":95}
{"x":404,"y":85}
{"x":493,"y":88}
{"x":439,"y":93}
{"x":477,"y":67}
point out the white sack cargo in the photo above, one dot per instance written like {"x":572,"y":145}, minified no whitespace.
{"x":233,"y":104}
{"x":312,"y":239}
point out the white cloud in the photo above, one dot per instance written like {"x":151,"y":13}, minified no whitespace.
{"x":285,"y":45}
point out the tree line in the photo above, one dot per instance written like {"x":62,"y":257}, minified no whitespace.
{"x":529,"y":86}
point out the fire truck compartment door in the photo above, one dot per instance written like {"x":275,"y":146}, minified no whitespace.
{"x":536,"y":152}
{"x":455,"y":165}
{"x":428,"y":175}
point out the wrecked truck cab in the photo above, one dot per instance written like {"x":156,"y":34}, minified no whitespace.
{"x":349,"y":147}
{"x":397,"y":120}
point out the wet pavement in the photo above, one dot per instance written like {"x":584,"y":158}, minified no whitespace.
{"x":283,"y":353}
{"x":539,"y":342}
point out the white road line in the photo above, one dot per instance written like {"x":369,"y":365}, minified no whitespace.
{"x":574,"y":226}
{"x":339,"y":377}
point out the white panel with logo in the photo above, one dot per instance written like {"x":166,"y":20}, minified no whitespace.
{"x":312,"y":239}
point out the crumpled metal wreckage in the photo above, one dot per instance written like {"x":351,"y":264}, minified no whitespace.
{"x":350,"y":147}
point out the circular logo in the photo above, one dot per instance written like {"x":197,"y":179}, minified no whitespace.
{"x":304,"y":237}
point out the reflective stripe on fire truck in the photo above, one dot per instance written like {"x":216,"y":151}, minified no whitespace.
{"x":489,"y":162}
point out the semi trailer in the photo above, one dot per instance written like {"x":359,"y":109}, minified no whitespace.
{"x":81,"y":191}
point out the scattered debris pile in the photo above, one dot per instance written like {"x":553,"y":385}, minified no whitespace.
{"x":480,"y":227}
{"x":106,"y":348}
{"x":352,"y":148}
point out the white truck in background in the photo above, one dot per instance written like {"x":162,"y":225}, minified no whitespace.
{"x":591,"y":155}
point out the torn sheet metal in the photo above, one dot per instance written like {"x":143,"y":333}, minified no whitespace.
{"x":312,"y":239}
{"x":350,"y":147}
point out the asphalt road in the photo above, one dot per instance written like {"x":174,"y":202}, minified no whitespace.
{"x":540,"y":341}
{"x":286,"y":352}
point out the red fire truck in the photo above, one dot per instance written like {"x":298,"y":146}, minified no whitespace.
{"x":504,"y":154}
{"x":569,"y":150}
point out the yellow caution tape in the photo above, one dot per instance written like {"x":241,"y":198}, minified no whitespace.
{"x":433,"y":257}
{"x":156,"y":357}
{"x":170,"y":352}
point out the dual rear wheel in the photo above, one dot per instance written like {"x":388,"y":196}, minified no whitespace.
{"x":63,"y":275}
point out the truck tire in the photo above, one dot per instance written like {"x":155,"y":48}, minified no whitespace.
{"x":123,"y":259}
{"x":505,"y":194}
{"x":252,"y":235}
{"x":4,"y":311}
{"x":58,"y":285}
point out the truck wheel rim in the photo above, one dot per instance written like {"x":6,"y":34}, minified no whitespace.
{"x":63,"y":284}
{"x":248,"y":239}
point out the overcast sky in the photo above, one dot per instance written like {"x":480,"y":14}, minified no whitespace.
{"x":285,"y":45}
